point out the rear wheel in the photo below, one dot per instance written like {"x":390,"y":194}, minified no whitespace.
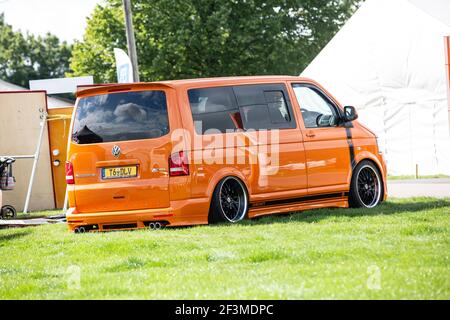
{"x":8,"y":212}
{"x":229,"y":201}
{"x":366,"y":189}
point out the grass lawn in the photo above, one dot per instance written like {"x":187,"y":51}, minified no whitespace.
{"x":39,"y":214}
{"x":400,"y":250}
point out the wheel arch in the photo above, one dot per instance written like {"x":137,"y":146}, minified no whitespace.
{"x":366,"y":156}
{"x":213,"y":186}
{"x":223,"y":173}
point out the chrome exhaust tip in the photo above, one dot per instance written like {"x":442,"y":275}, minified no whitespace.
{"x":151,"y":225}
{"x":157,"y":225}
{"x":80,"y":230}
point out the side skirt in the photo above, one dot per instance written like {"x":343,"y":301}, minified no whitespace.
{"x":339,"y":200}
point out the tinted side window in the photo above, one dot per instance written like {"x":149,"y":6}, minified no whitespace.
{"x":255,"y":117}
{"x":121,"y":116}
{"x":277,"y":106}
{"x":213,"y":109}
{"x":315,"y":107}
{"x":249,"y":95}
{"x":264,"y":106}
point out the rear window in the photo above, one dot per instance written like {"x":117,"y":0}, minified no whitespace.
{"x":121,"y":116}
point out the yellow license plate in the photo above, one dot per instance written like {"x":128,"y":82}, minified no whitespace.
{"x":119,"y":172}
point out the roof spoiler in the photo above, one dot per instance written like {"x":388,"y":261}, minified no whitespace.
{"x":116,"y":87}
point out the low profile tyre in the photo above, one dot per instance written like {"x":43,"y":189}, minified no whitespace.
{"x":229,"y":201}
{"x":366,"y":189}
{"x":8,"y":212}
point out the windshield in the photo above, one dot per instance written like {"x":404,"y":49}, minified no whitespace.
{"x":121,"y":116}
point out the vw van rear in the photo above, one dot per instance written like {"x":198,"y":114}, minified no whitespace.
{"x":119,"y":156}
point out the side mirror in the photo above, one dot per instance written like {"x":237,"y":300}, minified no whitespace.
{"x":350,"y":114}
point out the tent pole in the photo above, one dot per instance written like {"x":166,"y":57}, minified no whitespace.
{"x":35,"y":162}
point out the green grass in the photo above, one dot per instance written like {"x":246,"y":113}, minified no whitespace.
{"x":38,"y":214}
{"x":413,"y":177}
{"x":401,"y":249}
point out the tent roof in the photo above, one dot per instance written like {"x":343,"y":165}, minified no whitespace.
{"x":390,"y":43}
{"x":52,"y":101}
{"x":6,"y":86}
{"x":438,"y":9}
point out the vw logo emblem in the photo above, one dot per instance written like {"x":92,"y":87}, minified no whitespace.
{"x":116,"y":151}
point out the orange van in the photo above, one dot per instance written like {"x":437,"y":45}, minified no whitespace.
{"x":187,"y":152}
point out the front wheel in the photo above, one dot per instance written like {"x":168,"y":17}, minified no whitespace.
{"x":229,"y":202}
{"x":366,"y":189}
{"x":8,"y":212}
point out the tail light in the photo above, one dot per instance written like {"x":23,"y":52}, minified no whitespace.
{"x":69,"y":173}
{"x":178,"y":164}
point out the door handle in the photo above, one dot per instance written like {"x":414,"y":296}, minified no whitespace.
{"x":310,"y":135}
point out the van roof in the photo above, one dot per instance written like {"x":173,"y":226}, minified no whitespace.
{"x":84,"y":90}
{"x":229,"y":79}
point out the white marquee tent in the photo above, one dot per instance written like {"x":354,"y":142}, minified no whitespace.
{"x":388,"y":61}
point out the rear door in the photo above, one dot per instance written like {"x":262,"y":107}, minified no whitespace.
{"x":120,"y":149}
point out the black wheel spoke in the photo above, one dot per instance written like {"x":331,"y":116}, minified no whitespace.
{"x":367,"y":186}
{"x":232,"y":196}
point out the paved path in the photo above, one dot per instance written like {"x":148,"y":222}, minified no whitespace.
{"x":19,"y":223}
{"x":439,"y":188}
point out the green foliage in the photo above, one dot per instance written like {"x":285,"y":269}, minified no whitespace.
{"x":24,"y":58}
{"x":189,"y":38}
{"x":315,"y":254}
{"x":94,"y":56}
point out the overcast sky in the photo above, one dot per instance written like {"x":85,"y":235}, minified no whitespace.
{"x":64,"y":18}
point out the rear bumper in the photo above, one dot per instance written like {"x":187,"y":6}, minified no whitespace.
{"x":180,"y":213}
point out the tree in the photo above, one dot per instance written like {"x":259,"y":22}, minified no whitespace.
{"x":24,"y":58}
{"x":189,"y":38}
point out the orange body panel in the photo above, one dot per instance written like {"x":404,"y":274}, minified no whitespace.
{"x":314,"y":166}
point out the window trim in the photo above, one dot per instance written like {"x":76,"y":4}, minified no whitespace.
{"x":323,"y":95}
{"x":272,"y":86}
